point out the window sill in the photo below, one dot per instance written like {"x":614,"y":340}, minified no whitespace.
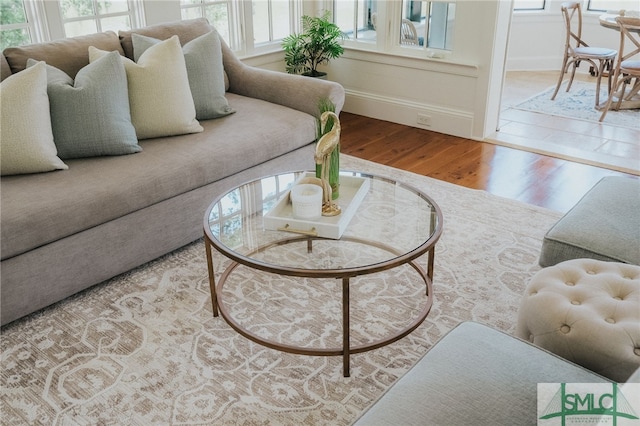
{"x":414,"y":61}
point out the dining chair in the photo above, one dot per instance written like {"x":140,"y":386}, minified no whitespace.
{"x":627,"y":67}
{"x":408,"y":33}
{"x":576,"y":50}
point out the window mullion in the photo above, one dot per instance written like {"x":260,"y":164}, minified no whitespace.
{"x":270,"y":13}
{"x":355,"y":19}
{"x":36,"y":17}
{"x":242,"y":29}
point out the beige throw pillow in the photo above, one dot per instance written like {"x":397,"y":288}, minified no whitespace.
{"x":203,"y":57}
{"x":159,"y":93}
{"x":26,"y":138}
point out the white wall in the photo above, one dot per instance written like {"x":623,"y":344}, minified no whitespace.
{"x":536,"y":41}
{"x":461,"y":94}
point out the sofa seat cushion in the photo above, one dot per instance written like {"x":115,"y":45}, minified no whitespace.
{"x":39,"y":209}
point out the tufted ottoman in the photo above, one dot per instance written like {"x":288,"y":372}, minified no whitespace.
{"x":586,"y":311}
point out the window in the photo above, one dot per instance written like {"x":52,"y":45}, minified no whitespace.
{"x":605,"y":5}
{"x":90,"y":16}
{"x":247,"y":26}
{"x":271,"y":20}
{"x":389,"y":25}
{"x":217,"y":12}
{"x":357,"y":19}
{"x":427,"y":20}
{"x":31,"y":21}
{"x":528,"y":5}
{"x":17,"y":25}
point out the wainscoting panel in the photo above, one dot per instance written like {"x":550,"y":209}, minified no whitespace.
{"x":443,"y":120}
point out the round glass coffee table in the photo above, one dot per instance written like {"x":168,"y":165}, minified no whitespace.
{"x":393,"y":225}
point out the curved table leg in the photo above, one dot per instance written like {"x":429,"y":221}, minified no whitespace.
{"x":212,"y":278}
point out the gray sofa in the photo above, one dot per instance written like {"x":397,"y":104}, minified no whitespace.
{"x":603,"y":225}
{"x":66,"y":230}
{"x":476,"y":375}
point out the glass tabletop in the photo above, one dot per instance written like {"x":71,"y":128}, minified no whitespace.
{"x":394,"y":223}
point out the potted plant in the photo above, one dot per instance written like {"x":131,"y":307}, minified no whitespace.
{"x":316,"y":45}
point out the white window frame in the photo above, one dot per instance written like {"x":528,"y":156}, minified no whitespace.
{"x":241,"y":25}
{"x":388,"y":38}
{"x":36,"y":24}
{"x":56,"y":22}
{"x":611,"y":5}
{"x":543,"y":4}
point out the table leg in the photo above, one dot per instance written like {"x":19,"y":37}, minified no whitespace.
{"x":430,"y":262}
{"x":345,"y":328}
{"x":212,"y":278}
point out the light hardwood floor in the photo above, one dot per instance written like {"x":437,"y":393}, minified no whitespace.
{"x":589,"y":142}
{"x":518,"y":174}
{"x":528,"y":177}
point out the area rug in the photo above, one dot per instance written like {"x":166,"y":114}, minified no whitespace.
{"x":143,"y":348}
{"x":579,"y":103}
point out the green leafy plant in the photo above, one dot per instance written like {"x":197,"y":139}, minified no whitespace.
{"x":316,"y":45}
{"x":324,"y":104}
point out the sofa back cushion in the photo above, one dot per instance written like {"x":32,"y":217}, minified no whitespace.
{"x":69,"y":55}
{"x":5,"y":69}
{"x":186,"y":31}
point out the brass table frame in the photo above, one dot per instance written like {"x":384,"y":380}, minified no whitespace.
{"x":428,"y":247}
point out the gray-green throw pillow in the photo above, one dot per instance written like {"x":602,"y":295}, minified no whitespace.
{"x":203,"y":57}
{"x":90,"y":116}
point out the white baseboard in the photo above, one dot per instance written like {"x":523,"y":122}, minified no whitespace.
{"x":438,"y":119}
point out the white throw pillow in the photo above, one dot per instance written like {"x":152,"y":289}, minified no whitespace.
{"x":203,"y":57}
{"x":26,"y":138}
{"x":159,"y":93}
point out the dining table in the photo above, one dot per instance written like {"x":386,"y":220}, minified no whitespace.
{"x":608,"y":20}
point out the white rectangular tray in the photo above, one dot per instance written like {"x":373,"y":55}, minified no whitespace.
{"x":352,"y":191}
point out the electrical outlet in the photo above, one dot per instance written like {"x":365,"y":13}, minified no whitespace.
{"x":424,"y":119}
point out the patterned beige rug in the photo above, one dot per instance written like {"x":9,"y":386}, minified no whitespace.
{"x":579,"y":103}
{"x":143,"y":348}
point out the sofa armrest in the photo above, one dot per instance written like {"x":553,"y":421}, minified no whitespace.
{"x":294,"y":91}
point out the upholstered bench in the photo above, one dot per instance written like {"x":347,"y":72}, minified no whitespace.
{"x":474,"y":375}
{"x":603,"y":225}
{"x":586,"y":311}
